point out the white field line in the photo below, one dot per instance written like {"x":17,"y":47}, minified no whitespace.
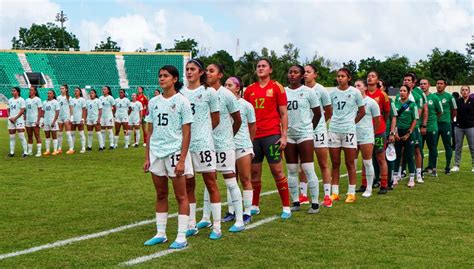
{"x":103,"y":233}
{"x":162,"y":253}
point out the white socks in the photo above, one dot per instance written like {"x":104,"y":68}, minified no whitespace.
{"x":12,"y":143}
{"x":116,"y":139}
{"x":206,"y":208}
{"x":229,"y":202}
{"x":352,"y":189}
{"x":327,"y":189}
{"x":55,"y":144}
{"x":90,"y":137}
{"x":60,"y":140}
{"x":236,"y":196}
{"x":335,"y":189}
{"x":69,"y":140}
{"x":38,"y":149}
{"x":293,"y":181}
{"x":127,"y":138}
{"x":192,"y":216}
{"x":24,"y":144}
{"x":101,"y":139}
{"x":161,"y":220}
{"x":83,"y":139}
{"x":48,"y":143}
{"x":216,"y":217}
{"x":418,"y":172}
{"x":137,"y":136}
{"x":369,"y":173}
{"x":30,"y":149}
{"x":111,"y":137}
{"x":247,"y":196}
{"x":304,"y":188}
{"x":313,"y":183}
{"x":182,"y":227}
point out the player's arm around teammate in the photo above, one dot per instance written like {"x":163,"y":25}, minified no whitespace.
{"x":243,"y":146}
{"x":166,"y":155}
{"x":304,"y":113}
{"x":320,"y":131}
{"x":94,"y":115}
{"x":32,"y":120}
{"x":79,"y":112}
{"x":16,"y":121}
{"x":205,"y":110}
{"x":348,"y":109}
{"x":366,"y":138}
{"x":51,"y":108}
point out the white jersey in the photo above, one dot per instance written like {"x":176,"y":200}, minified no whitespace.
{"x":301,"y":101}
{"x":168,"y":115}
{"x":121,"y":107}
{"x":32,"y":106}
{"x":93,"y":107}
{"x":345,"y":105}
{"x":324,"y":100}
{"x":365,"y":127}
{"x":107,"y":103}
{"x":204,"y":101}
{"x":137,"y":108}
{"x":50,"y":107}
{"x":223,"y":133}
{"x":64,"y":107}
{"x":247,"y":113}
{"x":15,"y":105}
{"x":78,"y":104}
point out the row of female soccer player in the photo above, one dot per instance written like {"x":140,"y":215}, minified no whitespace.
{"x":71,"y":114}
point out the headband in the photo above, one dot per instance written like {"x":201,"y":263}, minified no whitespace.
{"x":197,"y":63}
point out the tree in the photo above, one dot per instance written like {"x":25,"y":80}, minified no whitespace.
{"x":245,"y":67}
{"x":224,"y":58}
{"x":188,"y":44}
{"x":109,"y":44}
{"x":367,"y":65}
{"x":326,"y":70}
{"x":158,"y":47}
{"x":450,"y":65}
{"x":140,"y":49}
{"x":44,"y":36}
{"x":393,"y":69}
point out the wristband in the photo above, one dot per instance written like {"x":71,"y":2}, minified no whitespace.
{"x":392,"y":133}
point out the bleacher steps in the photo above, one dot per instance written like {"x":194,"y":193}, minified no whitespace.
{"x":120,"y":62}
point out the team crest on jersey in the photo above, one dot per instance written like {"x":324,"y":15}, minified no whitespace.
{"x":173,"y":107}
{"x":301,"y":94}
{"x":199,"y":96}
{"x":430,"y":102}
{"x":252,"y":94}
{"x":270,"y":93}
{"x":443,"y":100}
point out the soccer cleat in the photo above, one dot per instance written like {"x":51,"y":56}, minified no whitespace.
{"x":89,"y":148}
{"x":82,"y":151}
{"x":296,"y":207}
{"x":419,"y":179}
{"x":304,"y":199}
{"x":60,"y":151}
{"x":395,"y":180}
{"x":335,"y":197}
{"x":285,"y":215}
{"x":70,"y":152}
{"x":215,"y":236}
{"x":434,"y":173}
{"x":111,"y":147}
{"x":136,"y":145}
{"x":447,"y":171}
{"x":155,"y":241}
{"x":178,"y":245}
{"x":428,"y":170}
{"x":24,"y":155}
{"x":362,"y":188}
{"x":327,"y":202}
{"x":55,"y":153}
{"x":144,"y":144}
{"x":203,"y":224}
{"x":314,"y":209}
{"x":351,"y":198}
{"x":38,"y":154}
{"x":367,"y":193}
{"x":255,"y":210}
{"x":101,"y":149}
{"x":46,"y":153}
{"x":455,"y":169}
{"x":375,"y":185}
{"x":411,"y":183}
{"x":11,"y":155}
{"x":383,"y":190}
{"x":125,"y":147}
{"x":404,"y":175}
{"x":247,"y":219}
{"x":192,"y":232}
{"x":228,"y":217}
{"x":236,"y":229}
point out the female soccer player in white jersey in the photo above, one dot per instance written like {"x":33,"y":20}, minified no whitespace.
{"x":348,"y":109}
{"x":64,"y":120}
{"x":79,"y":112}
{"x":243,"y":147}
{"x":51,"y":108}
{"x":366,"y":136}
{"x":32,"y":120}
{"x":223,"y":135}
{"x":135,"y":119}
{"x":122,"y":112}
{"x":304,"y":113}
{"x":16,"y":121}
{"x":169,"y":123}
{"x":94,"y":115}
{"x":107,"y":118}
{"x":205,"y":109}
{"x":320,"y":131}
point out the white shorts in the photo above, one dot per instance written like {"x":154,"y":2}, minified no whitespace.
{"x":134,"y":121}
{"x":204,"y":161}
{"x":63,"y":119}
{"x":225,"y":161}
{"x":30,"y":124}
{"x":321,"y":140}
{"x":299,"y":140}
{"x":121,"y":119}
{"x":365,"y":137}
{"x":47,"y":127}
{"x":342,"y":140}
{"x":92,"y":121}
{"x":107,"y":122}
{"x":19,"y":124}
{"x":239,"y":153}
{"x":165,"y":166}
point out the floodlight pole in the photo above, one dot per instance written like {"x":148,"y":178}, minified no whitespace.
{"x":61,"y":17}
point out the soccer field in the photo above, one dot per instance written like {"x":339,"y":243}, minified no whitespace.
{"x":96,"y":210}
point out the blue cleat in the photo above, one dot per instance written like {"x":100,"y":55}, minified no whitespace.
{"x":236,"y":229}
{"x":247,"y":219}
{"x":228,"y":217}
{"x":285,"y":215}
{"x":192,"y":232}
{"x":155,"y":241}
{"x":215,"y":236}
{"x":255,"y":211}
{"x":203,"y":224}
{"x":177,"y":245}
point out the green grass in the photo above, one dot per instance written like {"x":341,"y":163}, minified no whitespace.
{"x":43,"y":200}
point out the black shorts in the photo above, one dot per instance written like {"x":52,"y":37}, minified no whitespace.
{"x":379,"y":143}
{"x":266,"y":146}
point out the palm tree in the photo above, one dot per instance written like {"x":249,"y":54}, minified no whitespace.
{"x":245,"y":67}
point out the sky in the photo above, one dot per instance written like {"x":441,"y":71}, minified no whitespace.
{"x":339,"y":30}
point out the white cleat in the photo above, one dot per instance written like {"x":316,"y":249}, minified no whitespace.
{"x":455,"y":169}
{"x":83,"y":150}
{"x":420,"y":180}
{"x":38,"y":154}
{"x":367,"y":193}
